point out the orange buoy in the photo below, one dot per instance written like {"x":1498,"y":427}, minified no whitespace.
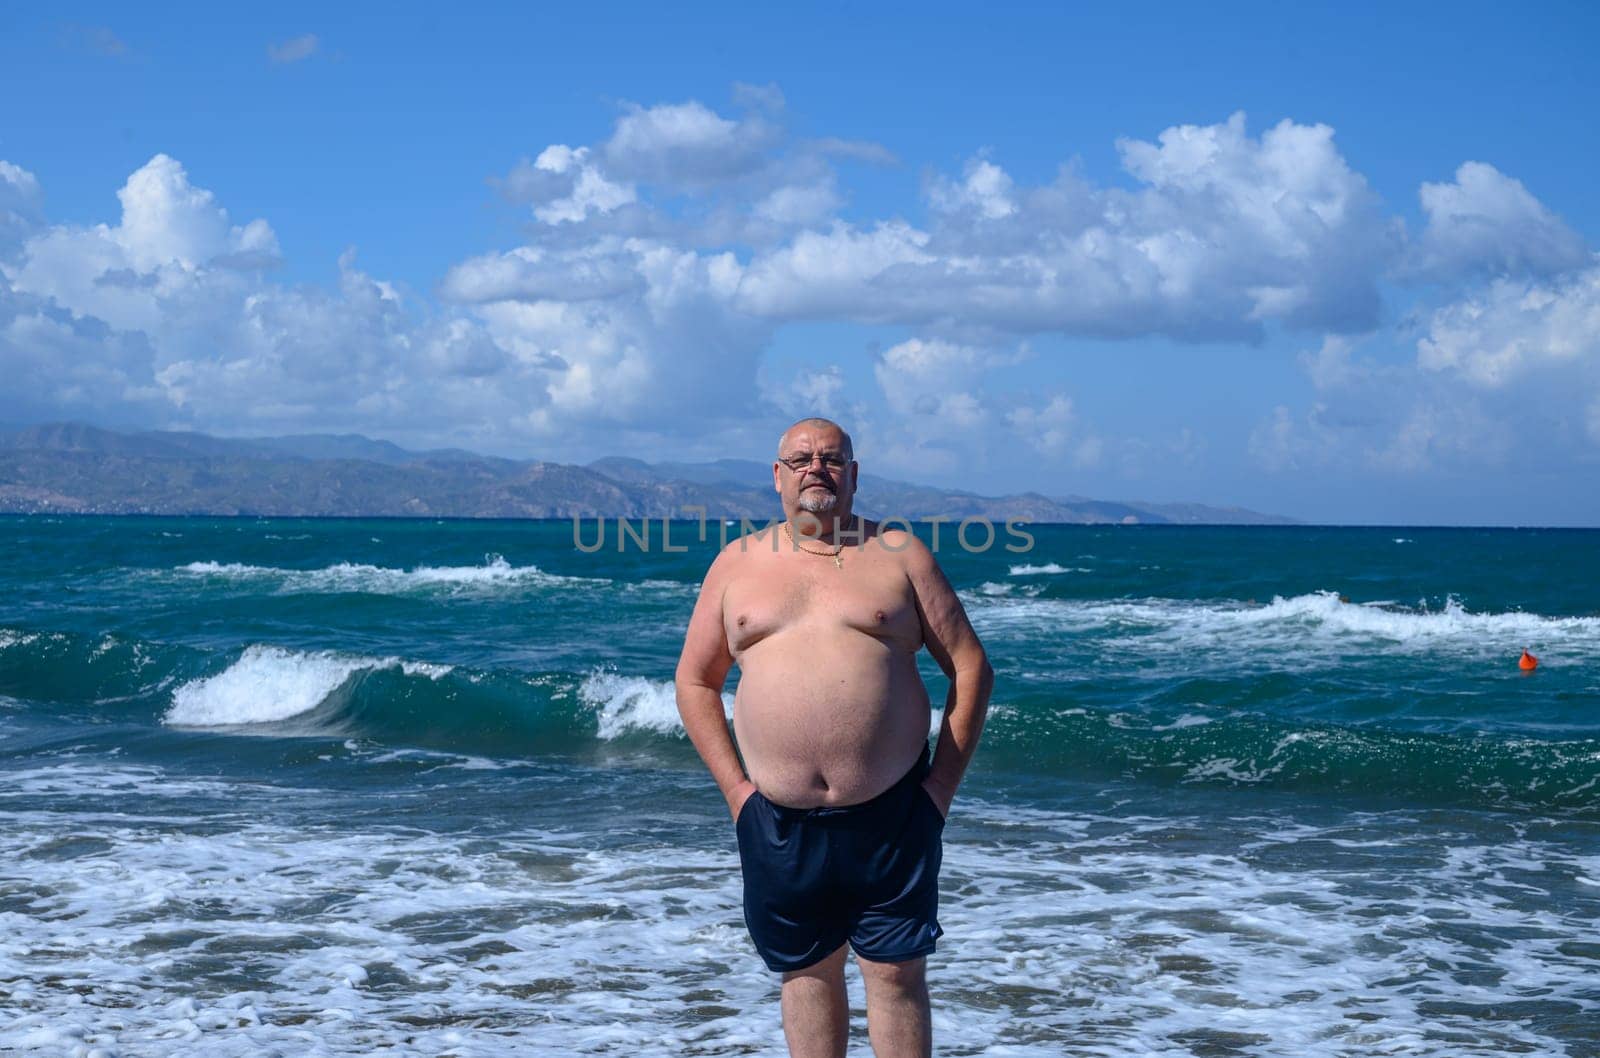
{"x":1527,"y":663}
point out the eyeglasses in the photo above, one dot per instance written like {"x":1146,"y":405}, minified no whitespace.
{"x":832,"y":462}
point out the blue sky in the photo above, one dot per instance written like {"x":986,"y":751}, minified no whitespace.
{"x":1335,"y":262}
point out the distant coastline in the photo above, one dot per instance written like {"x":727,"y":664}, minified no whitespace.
{"x":75,"y":468}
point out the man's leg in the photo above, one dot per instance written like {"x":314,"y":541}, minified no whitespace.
{"x":898,"y":1020}
{"x":816,"y":1015}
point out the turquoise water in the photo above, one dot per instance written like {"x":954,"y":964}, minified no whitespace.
{"x":334,"y":787}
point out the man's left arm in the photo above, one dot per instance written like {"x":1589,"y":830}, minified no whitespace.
{"x":949,"y":637}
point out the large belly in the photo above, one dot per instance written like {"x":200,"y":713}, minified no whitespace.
{"x":828,"y":718}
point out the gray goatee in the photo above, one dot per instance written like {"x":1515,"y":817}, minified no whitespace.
{"x":816,"y":504}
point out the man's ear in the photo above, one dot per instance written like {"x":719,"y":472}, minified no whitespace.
{"x":777,"y":482}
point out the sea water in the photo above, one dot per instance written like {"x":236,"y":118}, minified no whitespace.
{"x":348,"y":787}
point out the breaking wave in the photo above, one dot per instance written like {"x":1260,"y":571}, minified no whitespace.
{"x":495,"y":574}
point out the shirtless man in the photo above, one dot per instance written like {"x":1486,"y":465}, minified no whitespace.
{"x":839,"y":818}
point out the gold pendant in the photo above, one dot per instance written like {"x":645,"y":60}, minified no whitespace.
{"x":838,"y":563}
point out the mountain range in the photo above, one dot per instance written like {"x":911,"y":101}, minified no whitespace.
{"x":84,"y":469}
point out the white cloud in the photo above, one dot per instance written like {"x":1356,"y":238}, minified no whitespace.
{"x":799,"y":204}
{"x":660,"y":345}
{"x":174,"y":246}
{"x":19,"y":189}
{"x":1228,"y":233}
{"x":668,"y":252}
{"x":604,"y":269}
{"x":1507,"y":374}
{"x":684,"y":144}
{"x":165,"y":319}
{"x":1383,"y":419}
{"x":295,"y":49}
{"x":166,"y":220}
{"x":1330,"y":366}
{"x":1278,"y":227}
{"x":1457,"y":433}
{"x":1515,"y":326}
{"x":1487,"y":223}
{"x":985,"y":190}
{"x":20,"y":205}
{"x":1053,"y":430}
{"x":833,"y":274}
{"x":565,"y":186}
{"x":1405,"y":438}
{"x":810,"y":391}
{"x":938,"y":416}
{"x":355,"y":358}
{"x":685,"y":174}
{"x":1283,"y":443}
{"x":944,"y":416}
{"x":76,"y":367}
{"x":935,"y":380}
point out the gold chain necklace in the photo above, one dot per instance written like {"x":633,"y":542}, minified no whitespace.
{"x":838,"y":562}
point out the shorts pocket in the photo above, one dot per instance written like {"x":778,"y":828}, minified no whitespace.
{"x":927,"y":798}
{"x":744,"y":809}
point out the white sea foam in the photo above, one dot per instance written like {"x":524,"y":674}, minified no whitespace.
{"x":10,"y":637}
{"x":663,"y":587}
{"x":1027,"y":591}
{"x":496,"y":574}
{"x":227,"y":569}
{"x":627,"y":704}
{"x":423,"y":668}
{"x":1082,"y":933}
{"x":1047,"y":568}
{"x":1186,"y":720}
{"x":1301,"y":629}
{"x":434,"y":760}
{"x":269,"y":684}
{"x":85,"y":784}
{"x":1327,"y":611}
{"x":266,"y":684}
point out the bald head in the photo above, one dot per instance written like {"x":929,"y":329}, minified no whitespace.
{"x":816,"y":422}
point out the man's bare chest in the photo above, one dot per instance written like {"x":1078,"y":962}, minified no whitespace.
{"x":807,"y":594}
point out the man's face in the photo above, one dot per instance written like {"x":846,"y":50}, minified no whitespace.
{"x":814,"y":472}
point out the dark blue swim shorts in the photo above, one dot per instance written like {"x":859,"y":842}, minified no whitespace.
{"x":866,"y":873}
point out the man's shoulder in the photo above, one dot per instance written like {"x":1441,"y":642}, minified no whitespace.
{"x":898,"y":540}
{"x":740,"y":549}
{"x":894,"y":534}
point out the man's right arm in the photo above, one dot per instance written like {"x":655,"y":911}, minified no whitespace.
{"x":702,"y":670}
